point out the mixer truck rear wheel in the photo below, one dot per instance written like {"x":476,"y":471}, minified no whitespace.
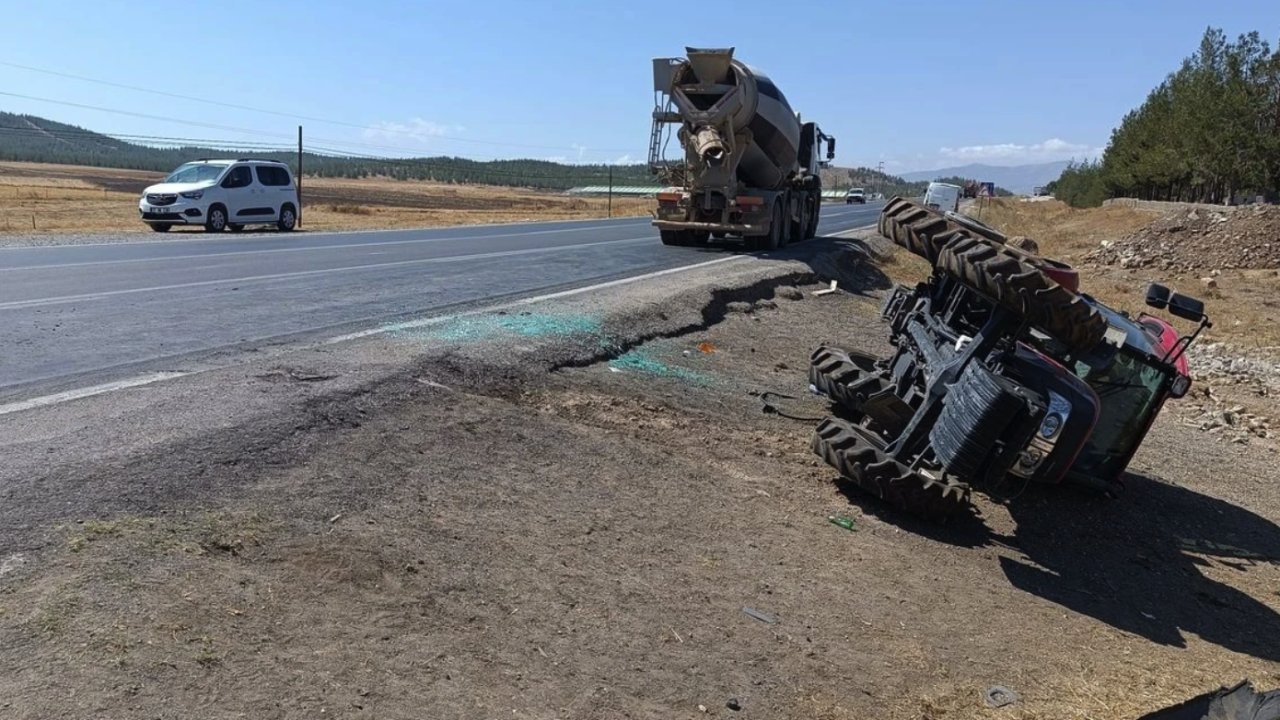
{"x":773,"y":238}
{"x":674,"y":237}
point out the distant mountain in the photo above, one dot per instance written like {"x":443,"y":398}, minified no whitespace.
{"x":1018,"y":178}
{"x":29,"y":138}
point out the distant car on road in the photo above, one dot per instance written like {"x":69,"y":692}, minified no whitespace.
{"x":942,"y":197}
{"x":222,"y":194}
{"x":855,"y":195}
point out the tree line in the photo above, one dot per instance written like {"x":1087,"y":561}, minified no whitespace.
{"x":28,"y":138}
{"x":1210,"y":132}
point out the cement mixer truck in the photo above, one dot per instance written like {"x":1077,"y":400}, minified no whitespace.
{"x":750,"y":165}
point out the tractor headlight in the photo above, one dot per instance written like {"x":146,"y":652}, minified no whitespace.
{"x":1051,"y":425}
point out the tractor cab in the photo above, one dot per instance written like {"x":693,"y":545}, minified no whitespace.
{"x":1148,"y":366}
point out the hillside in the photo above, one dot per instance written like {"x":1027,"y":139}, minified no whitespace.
{"x":875,"y":181}
{"x":1017,"y":178}
{"x":27,"y":138}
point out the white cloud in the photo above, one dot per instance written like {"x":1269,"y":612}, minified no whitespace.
{"x":562,"y":159}
{"x":623,"y":160}
{"x":582,"y":150}
{"x":414,"y":133}
{"x":1014,"y":153}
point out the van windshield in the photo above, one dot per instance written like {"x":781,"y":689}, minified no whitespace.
{"x":195,"y":172}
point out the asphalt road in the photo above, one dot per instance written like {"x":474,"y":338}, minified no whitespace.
{"x":78,"y":314}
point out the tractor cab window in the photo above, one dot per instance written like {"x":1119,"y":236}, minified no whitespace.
{"x":1130,"y":390}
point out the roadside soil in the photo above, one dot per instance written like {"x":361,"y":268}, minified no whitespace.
{"x":567,"y":513}
{"x":38,"y":202}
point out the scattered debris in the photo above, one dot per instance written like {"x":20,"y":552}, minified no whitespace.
{"x":11,"y":563}
{"x":998,"y":696}
{"x":789,"y":292}
{"x":844,"y":522}
{"x":733,"y":704}
{"x":335,"y":518}
{"x":295,"y":375}
{"x":706,"y":347}
{"x":825,"y":291}
{"x":1241,"y":702}
{"x":639,"y":361}
{"x":1209,"y":547}
{"x":763,"y":617}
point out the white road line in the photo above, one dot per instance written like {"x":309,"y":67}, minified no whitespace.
{"x":425,"y":322}
{"x":90,"y":391}
{"x":345,"y":246}
{"x":39,"y":302}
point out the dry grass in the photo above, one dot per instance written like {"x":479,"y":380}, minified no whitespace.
{"x":1062,"y":231}
{"x":38,"y":198}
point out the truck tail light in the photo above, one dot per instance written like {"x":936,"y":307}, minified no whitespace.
{"x":748,"y":200}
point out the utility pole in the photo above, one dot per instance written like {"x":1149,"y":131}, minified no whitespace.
{"x":298,"y":180}
{"x":880,"y":179}
{"x":610,"y":210}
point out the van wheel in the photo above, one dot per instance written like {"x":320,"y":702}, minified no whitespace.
{"x":160,"y":227}
{"x":288,"y":218}
{"x":236,"y":227}
{"x":217,"y":219}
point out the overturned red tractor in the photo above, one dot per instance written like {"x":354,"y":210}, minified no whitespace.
{"x":1002,"y":371}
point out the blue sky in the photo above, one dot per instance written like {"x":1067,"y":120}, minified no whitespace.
{"x":917,"y":85}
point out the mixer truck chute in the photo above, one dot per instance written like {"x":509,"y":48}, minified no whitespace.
{"x":750,"y":166}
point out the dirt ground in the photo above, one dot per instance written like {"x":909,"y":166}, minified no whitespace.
{"x":37,"y":199}
{"x":552,"y":516}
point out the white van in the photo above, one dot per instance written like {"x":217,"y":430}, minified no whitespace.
{"x":942,"y":197}
{"x":221,"y":195}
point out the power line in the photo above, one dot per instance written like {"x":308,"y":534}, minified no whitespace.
{"x":139,"y":115}
{"x":279,"y":113}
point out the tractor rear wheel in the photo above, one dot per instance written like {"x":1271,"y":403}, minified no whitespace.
{"x":1008,"y":277}
{"x":914,"y":227}
{"x":857,"y":458}
{"x":838,"y":374}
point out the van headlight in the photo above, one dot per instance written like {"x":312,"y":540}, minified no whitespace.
{"x":193,"y":195}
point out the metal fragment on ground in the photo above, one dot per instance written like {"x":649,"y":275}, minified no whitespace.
{"x":999,"y":696}
{"x":763,"y":617}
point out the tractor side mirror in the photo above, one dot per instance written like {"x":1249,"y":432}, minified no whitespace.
{"x":1157,"y":296}
{"x":1180,"y":385}
{"x":1186,"y":307}
{"x":831,"y":148}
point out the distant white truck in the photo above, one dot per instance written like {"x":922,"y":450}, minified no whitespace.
{"x":943,"y":196}
{"x":855,"y":195}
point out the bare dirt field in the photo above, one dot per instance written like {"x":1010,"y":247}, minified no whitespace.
{"x":37,"y":198}
{"x":584,"y":512}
